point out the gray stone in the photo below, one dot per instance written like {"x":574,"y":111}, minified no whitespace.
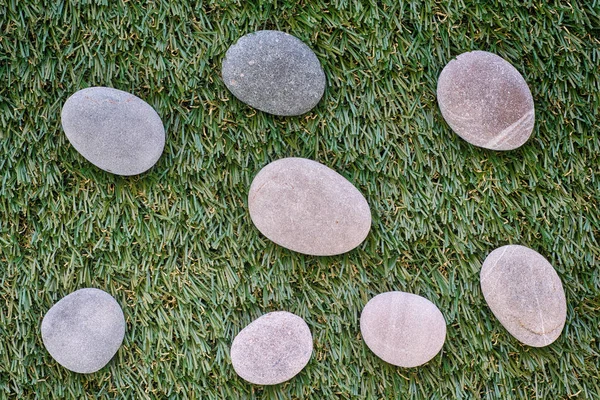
{"x":525,"y":293}
{"x":403,"y":329}
{"x":272,"y":349}
{"x":84,"y":330}
{"x":274,"y":72}
{"x":309,"y":208}
{"x":114,"y":130}
{"x":486,"y":101}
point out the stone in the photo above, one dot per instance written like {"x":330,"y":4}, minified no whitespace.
{"x":403,"y":329}
{"x":84,"y":330}
{"x":486,"y":101}
{"x":272,"y":349}
{"x":307,"y":207}
{"x":525,"y":293}
{"x":274,"y":72}
{"x":114,"y":130}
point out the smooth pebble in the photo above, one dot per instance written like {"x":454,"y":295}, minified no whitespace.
{"x":272,"y":349}
{"x":274,"y":72}
{"x":114,"y":130}
{"x":403,"y":329}
{"x":486,"y":101}
{"x":525,"y":293}
{"x":307,"y":207}
{"x":84,"y":330}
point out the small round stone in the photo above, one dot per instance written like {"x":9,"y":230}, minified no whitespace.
{"x":525,"y":293}
{"x":114,"y":130}
{"x":307,"y":207}
{"x":486,"y":101}
{"x":84,"y":330}
{"x":274,"y":72}
{"x":403,"y":329}
{"x":272,"y":349}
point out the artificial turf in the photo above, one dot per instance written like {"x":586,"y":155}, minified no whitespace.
{"x":176,"y":247}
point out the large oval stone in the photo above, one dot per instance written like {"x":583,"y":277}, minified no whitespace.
{"x":274,"y":72}
{"x":114,"y":130}
{"x":403,"y":329}
{"x":486,"y":101}
{"x":307,"y":207}
{"x":84,"y":330}
{"x":525,"y":293}
{"x":272,"y":349}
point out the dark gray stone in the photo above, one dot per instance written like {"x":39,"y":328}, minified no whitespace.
{"x":274,"y":72}
{"x":84,"y":330}
{"x":272,"y":349}
{"x":309,"y":208}
{"x":486,"y":101}
{"x":525,"y":293}
{"x":114,"y":130}
{"x":403,"y":329}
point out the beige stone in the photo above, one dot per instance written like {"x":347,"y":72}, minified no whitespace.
{"x":307,"y":207}
{"x":525,"y":293}
{"x":272,"y":349}
{"x":403,"y":329}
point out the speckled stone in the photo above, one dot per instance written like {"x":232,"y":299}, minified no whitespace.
{"x":525,"y":293}
{"x":486,"y":101}
{"x":272,"y":349}
{"x":84,"y":330}
{"x":307,"y":207}
{"x":403,"y":329}
{"x":274,"y":72}
{"x":114,"y":130}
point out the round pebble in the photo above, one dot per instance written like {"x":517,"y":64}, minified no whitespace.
{"x":307,"y":207}
{"x":486,"y":101}
{"x":114,"y":130}
{"x":525,"y":293}
{"x":84,"y":330}
{"x":274,"y":72}
{"x":403,"y":329}
{"x":272,"y":349}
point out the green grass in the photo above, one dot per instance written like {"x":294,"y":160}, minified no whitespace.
{"x":176,"y":247}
